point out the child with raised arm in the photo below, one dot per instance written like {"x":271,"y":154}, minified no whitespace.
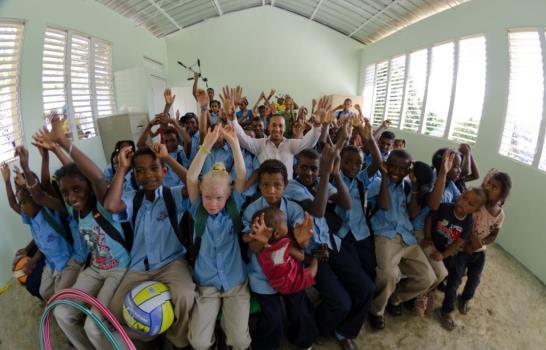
{"x":83,"y":188}
{"x":302,"y":330}
{"x":396,"y":248}
{"x":447,"y":229}
{"x":281,"y":260}
{"x":157,"y":253}
{"x":219,"y":271}
{"x":487,"y":224}
{"x":60,"y":271}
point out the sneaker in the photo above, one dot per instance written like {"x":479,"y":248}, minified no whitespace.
{"x":446,"y":319}
{"x":394,"y":310}
{"x":376,"y":321}
{"x":420,"y":305}
{"x":463,"y":305}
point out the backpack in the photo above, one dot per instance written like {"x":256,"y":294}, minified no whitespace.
{"x":185,"y":227}
{"x":59,"y":225}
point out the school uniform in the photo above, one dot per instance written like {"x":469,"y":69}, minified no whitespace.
{"x":397,"y":252}
{"x":172,"y":179}
{"x":346,"y":291}
{"x":59,"y":271}
{"x":354,"y":230}
{"x":108,"y":265}
{"x":251,"y":164}
{"x":108,"y":174}
{"x":220,"y":275}
{"x":302,"y":330}
{"x":220,"y":154}
{"x":158,"y":255}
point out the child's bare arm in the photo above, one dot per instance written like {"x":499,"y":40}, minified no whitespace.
{"x":435,"y":197}
{"x":231,"y":137}
{"x":453,"y":248}
{"x":296,"y":253}
{"x":192,"y":177}
{"x":112,"y":199}
{"x":384,"y":198}
{"x":6,"y":174}
{"x":143,"y":139}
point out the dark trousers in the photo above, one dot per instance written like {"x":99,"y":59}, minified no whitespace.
{"x":302,"y":330}
{"x":346,"y":293}
{"x":34,"y":280}
{"x":456,"y":266}
{"x":366,"y":253}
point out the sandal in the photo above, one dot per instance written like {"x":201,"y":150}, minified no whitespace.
{"x":446,"y":319}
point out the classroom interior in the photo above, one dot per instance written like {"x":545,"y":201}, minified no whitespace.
{"x":444,"y":71}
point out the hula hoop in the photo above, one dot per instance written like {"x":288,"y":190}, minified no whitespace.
{"x":93,"y":302}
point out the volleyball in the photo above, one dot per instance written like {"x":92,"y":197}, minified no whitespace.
{"x":147,"y":308}
{"x":18,"y":271}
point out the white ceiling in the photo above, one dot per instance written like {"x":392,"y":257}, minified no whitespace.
{"x":363,"y":20}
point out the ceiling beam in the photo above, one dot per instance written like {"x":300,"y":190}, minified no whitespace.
{"x":164,"y":13}
{"x":394,"y":2}
{"x":217,"y":6}
{"x":316,"y":10}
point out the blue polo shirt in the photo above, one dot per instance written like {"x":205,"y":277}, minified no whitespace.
{"x":294,"y":214}
{"x":81,"y":251}
{"x":298,"y":192}
{"x":220,"y":154}
{"x":154,"y":237}
{"x":56,"y":249}
{"x":354,"y":219}
{"x":251,"y":164}
{"x":171,"y":179}
{"x":396,"y":220}
{"x":109,"y":176}
{"x":106,"y":252}
{"x":219,"y":263}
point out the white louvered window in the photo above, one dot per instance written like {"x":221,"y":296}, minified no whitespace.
{"x":104,"y":81}
{"x":396,"y":90}
{"x":415,"y":90}
{"x":77,"y":79}
{"x":439,"y":90}
{"x":380,"y":93}
{"x":11,"y":38}
{"x":525,"y":97}
{"x":369,"y":80}
{"x":80,"y":86}
{"x":469,"y":91}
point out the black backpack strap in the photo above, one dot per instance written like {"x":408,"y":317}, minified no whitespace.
{"x":57,"y":226}
{"x":137,"y":203}
{"x":362,"y":194}
{"x":111,"y":230}
{"x":171,"y":210}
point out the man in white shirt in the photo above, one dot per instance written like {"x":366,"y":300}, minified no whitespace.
{"x":276,"y":146}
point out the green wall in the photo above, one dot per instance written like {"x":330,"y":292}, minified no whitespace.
{"x":130,"y":44}
{"x":266,"y":47}
{"x":524,"y":233}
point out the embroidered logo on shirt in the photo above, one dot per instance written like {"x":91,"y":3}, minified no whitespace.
{"x":162,"y":216}
{"x":51,"y":237}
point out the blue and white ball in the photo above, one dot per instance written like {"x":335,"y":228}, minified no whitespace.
{"x":147,"y":308}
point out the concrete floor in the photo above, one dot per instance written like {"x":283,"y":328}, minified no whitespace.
{"x":508,"y":312}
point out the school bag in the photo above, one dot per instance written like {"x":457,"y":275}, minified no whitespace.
{"x":60,"y":226}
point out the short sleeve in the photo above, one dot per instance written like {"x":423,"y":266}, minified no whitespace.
{"x":127,"y":214}
{"x":296,"y":192}
{"x":373,"y":190}
{"x":182,"y":203}
{"x":25,"y":219}
{"x":364,"y":178}
{"x":331,"y":189}
{"x":295,"y":214}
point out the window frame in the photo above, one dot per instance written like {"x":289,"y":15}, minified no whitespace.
{"x":18,"y":118}
{"x":72,"y":120}
{"x":449,"y":117}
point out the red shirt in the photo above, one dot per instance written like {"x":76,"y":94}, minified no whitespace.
{"x":284,"y":273}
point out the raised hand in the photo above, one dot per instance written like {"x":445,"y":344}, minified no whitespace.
{"x":229,"y":135}
{"x":260,"y":232}
{"x":228,"y":102}
{"x":125,"y":156}
{"x":211,"y":137}
{"x":57,"y":133}
{"x":328,"y":156}
{"x":160,"y":151}
{"x":304,"y":231}
{"x":357,"y":107}
{"x":22,"y":153}
{"x":6,"y":172}
{"x":42,"y":141}
{"x":203,"y":99}
{"x":177,"y":115}
{"x":447,"y":161}
{"x":169,"y":97}
{"x":368,"y":130}
{"x":383,"y":169}
{"x":271,"y":93}
{"x":323,"y":113}
{"x":238,"y":95}
{"x":386,"y":123}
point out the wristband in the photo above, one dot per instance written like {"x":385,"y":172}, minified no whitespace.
{"x":204,"y":149}
{"x":34,"y":185}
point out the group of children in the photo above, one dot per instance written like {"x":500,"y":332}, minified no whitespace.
{"x":262,"y":204}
